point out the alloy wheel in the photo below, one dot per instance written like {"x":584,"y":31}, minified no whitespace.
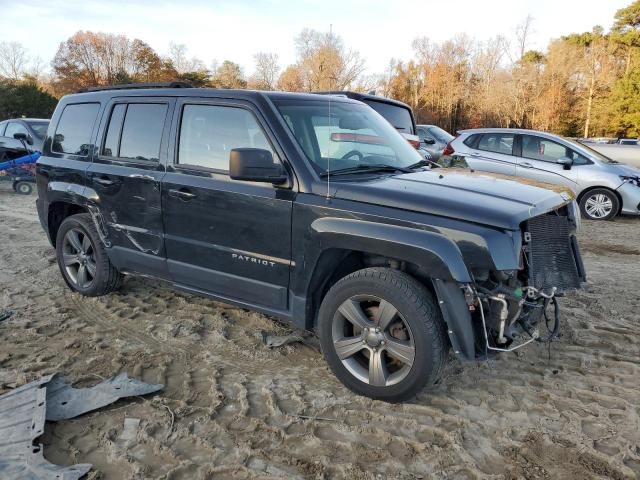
{"x":78,"y":256}
{"x":598,"y":206}
{"x":373,"y":341}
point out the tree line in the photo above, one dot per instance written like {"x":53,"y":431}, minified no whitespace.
{"x":583,"y":84}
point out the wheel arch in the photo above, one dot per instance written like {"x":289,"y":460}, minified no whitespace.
{"x":582,"y":194}
{"x":57,"y":212}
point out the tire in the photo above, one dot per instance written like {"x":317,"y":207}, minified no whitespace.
{"x":599,"y":204}
{"x":79,"y":244}
{"x":23,"y":188}
{"x":417,"y":322}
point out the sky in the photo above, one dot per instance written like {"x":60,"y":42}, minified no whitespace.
{"x":236,"y":30}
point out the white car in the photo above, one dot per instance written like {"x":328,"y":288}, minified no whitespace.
{"x":604,"y":187}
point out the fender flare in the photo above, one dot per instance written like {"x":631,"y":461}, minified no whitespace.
{"x":430,"y":250}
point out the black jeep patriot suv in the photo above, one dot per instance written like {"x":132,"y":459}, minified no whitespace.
{"x":312,"y":209}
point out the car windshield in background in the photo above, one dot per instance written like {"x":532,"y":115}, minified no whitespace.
{"x":397,"y":116}
{"x":339,"y":136}
{"x":39,"y":128}
{"x":594,"y":153}
{"x":440,"y":135}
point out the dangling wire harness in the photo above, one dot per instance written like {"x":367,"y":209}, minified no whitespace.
{"x":530,"y":292}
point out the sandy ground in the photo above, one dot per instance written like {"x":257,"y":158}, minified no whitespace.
{"x":232,"y":408}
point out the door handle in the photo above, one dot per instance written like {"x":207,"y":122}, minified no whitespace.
{"x":182,"y":194}
{"x":525,"y":165}
{"x":142,"y":176}
{"x":104,"y":181}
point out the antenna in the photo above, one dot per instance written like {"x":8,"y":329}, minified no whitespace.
{"x":329,"y":151}
{"x":330,"y":127}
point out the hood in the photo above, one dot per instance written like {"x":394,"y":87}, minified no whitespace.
{"x":624,"y":169}
{"x":473,"y":197}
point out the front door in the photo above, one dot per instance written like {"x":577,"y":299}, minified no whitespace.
{"x":126,"y":178}
{"x":226,"y":237}
{"x":538,"y":161}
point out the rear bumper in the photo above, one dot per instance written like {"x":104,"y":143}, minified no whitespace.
{"x":630,"y":195}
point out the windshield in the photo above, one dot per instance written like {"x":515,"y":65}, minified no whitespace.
{"x":339,"y":135}
{"x":594,"y":153}
{"x":39,"y":128}
{"x":439,"y":134}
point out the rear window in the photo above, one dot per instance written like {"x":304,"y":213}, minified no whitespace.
{"x":496,"y":142}
{"x":73,"y":132}
{"x":135,"y":131}
{"x":397,"y":116}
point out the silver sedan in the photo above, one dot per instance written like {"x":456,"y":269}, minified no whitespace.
{"x":604,"y":187}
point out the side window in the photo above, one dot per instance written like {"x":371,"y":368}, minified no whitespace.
{"x":538,"y":148}
{"x":73,"y":132}
{"x":112,"y":141}
{"x":208,"y":133}
{"x":3,"y":125}
{"x":496,"y":142}
{"x":142,"y":131}
{"x":578,"y":159}
{"x":470,"y":141}
{"x":15,"y":127}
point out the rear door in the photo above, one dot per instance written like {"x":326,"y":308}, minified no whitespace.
{"x":538,"y":161}
{"x":125,"y":177}
{"x":225,"y":237}
{"x":492,"y":152}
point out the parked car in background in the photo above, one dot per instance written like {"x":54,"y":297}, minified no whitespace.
{"x":34,"y":128}
{"x":628,"y":141}
{"x":604,"y":187}
{"x":433,"y":140}
{"x":398,"y":114}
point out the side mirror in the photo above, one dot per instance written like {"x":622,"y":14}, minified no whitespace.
{"x":23,"y":137}
{"x":429,"y":141}
{"x":566,"y":162}
{"x":255,"y":165}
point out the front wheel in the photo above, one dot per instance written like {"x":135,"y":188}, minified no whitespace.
{"x":382,"y":334}
{"x":599,"y":204}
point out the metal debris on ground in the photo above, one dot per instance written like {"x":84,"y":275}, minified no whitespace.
{"x":64,"y":401}
{"x":272,"y":341}
{"x":23,"y":412}
{"x":5,"y":314}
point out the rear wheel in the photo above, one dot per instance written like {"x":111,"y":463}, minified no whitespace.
{"x":23,"y":188}
{"x":382,"y":334}
{"x":82,"y":258}
{"x":599,"y":204}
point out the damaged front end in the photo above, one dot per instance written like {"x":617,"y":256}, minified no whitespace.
{"x":510,"y":309}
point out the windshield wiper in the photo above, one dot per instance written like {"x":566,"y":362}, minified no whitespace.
{"x":366,"y":169}
{"x":424,"y":163}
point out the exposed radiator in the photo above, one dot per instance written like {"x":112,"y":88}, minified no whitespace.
{"x":551,"y":257}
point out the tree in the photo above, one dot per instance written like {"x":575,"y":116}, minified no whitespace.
{"x":626,"y":32}
{"x":625,"y":102}
{"x":265,"y":76}
{"x":180,"y":60}
{"x":229,"y":75}
{"x":13,"y":60}
{"x":90,"y":59}
{"x":291,"y":79}
{"x":25,"y":98}
{"x":324,"y":63}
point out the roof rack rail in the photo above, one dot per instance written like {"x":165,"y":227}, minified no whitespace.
{"x":131,"y":86}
